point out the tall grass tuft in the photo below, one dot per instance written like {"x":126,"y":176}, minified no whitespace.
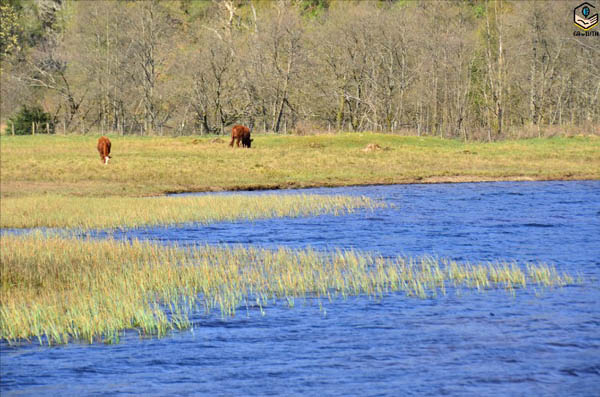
{"x":54,"y":290}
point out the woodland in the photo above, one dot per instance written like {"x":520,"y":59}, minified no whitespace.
{"x":473,"y":70}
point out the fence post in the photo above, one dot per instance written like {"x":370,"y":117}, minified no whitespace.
{"x":12,"y":128}
{"x":47,"y":128}
{"x":33,"y":128}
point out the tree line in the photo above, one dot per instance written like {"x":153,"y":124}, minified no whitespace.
{"x":464,"y":69}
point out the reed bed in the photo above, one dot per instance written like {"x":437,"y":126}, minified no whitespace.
{"x":55,"y":290}
{"x":86,"y":213}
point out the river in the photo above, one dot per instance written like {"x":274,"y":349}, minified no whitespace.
{"x":537,"y":342}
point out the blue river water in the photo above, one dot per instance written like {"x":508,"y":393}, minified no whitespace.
{"x":537,"y":342}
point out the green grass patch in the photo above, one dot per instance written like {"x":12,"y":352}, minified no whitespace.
{"x":55,"y":290}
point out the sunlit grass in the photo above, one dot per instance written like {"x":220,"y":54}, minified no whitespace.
{"x":55,"y":290}
{"x":69,"y":165}
{"x":94,"y":213}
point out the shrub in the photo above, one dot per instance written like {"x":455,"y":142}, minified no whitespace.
{"x":24,"y":118}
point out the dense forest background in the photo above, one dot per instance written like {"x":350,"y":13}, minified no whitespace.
{"x":465,"y":69}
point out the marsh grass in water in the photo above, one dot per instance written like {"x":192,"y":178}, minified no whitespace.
{"x":126,"y":212}
{"x":55,"y":290}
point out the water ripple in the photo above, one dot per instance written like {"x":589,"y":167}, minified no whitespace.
{"x":465,"y":343}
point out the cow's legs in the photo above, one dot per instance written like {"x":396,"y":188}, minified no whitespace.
{"x":231,"y":143}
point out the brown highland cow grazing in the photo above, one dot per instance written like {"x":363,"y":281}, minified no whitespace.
{"x":241,"y":133}
{"x":104,"y":149}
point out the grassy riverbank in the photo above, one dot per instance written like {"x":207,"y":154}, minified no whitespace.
{"x":55,"y":290}
{"x":70,"y":165}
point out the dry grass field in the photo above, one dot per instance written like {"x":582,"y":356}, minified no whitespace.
{"x":143,"y":166}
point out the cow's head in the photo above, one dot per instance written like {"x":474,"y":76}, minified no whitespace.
{"x":247,"y":142}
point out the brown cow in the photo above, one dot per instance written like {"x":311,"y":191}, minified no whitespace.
{"x":104,"y":149}
{"x":241,"y":133}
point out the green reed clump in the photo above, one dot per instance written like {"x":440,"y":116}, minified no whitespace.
{"x":56,"y":289}
{"x":95,"y":213}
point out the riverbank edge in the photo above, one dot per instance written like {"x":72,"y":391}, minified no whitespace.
{"x":401,"y":181}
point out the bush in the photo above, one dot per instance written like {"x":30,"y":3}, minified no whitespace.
{"x":23,"y":119}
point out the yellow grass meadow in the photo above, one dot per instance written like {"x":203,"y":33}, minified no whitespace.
{"x":142,"y":166}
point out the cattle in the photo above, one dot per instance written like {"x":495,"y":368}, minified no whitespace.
{"x":104,"y":149}
{"x":241,"y":133}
